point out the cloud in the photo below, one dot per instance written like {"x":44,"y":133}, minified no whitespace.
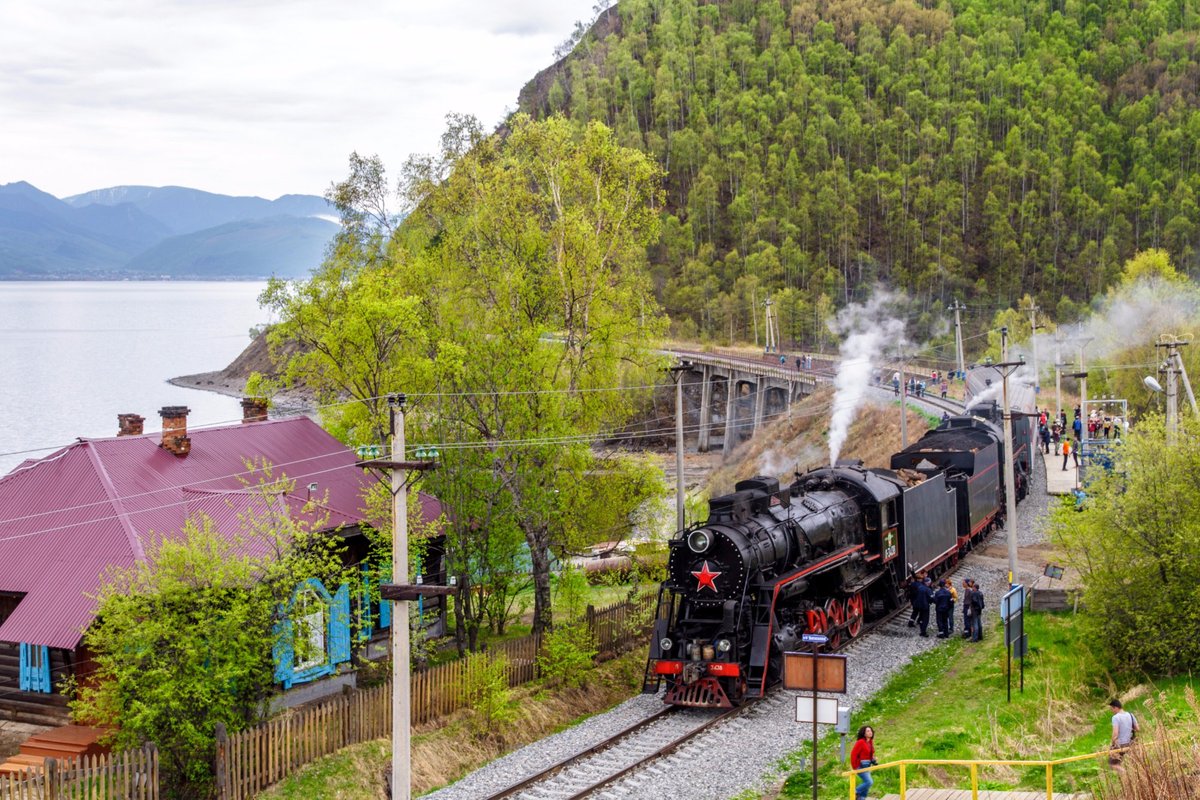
{"x":260,"y":97}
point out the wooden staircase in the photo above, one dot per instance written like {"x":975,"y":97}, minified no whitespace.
{"x":66,"y":742}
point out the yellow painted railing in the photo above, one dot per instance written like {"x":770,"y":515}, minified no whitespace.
{"x":974,"y":766}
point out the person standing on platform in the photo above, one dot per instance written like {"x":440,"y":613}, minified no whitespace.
{"x":1066,"y":453}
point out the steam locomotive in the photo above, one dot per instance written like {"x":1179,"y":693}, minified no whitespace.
{"x":826,"y":554}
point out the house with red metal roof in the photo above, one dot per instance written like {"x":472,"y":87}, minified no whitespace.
{"x":68,"y":518}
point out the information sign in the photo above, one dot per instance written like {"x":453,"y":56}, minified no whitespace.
{"x":831,"y":672}
{"x":1013,"y":602}
{"x":814,"y":638}
{"x":827,"y":710}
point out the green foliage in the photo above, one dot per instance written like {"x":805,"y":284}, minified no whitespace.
{"x":183,"y":640}
{"x":973,"y":148}
{"x":487,"y":692}
{"x":571,"y":593}
{"x":1136,"y":543}
{"x":568,"y":655}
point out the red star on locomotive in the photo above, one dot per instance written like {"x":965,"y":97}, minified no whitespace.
{"x":705,"y":577}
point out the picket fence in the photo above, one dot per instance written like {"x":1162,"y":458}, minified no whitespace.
{"x":250,"y":761}
{"x":132,"y":775}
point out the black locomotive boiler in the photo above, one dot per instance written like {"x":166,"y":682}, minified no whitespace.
{"x":825,"y":554}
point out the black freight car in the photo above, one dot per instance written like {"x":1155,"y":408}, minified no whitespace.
{"x":967,"y":451}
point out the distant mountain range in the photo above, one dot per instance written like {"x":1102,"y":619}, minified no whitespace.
{"x":159,"y":232}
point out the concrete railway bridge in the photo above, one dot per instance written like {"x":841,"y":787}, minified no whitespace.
{"x":727,"y":398}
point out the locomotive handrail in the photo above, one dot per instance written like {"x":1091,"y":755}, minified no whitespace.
{"x":975,"y":764}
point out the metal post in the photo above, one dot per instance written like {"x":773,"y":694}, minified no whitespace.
{"x":1187,"y":384}
{"x":1083,"y":418}
{"x":1172,"y":399}
{"x":903,"y":407}
{"x":815,"y":648}
{"x":1057,"y":376}
{"x":401,"y":701}
{"x":1049,"y":782}
{"x":974,"y":781}
{"x":958,"y":340}
{"x":1033,"y":328}
{"x":1009,"y":476}
{"x":678,"y":373}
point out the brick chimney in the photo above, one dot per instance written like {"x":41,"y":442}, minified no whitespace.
{"x":254,"y":409}
{"x":130,"y":424}
{"x":174,"y":430}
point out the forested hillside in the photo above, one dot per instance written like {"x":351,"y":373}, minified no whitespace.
{"x":972,"y":148}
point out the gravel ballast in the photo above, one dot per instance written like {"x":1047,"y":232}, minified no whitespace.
{"x":744,"y":753}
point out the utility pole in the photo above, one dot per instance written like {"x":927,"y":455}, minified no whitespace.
{"x":1006,"y":368}
{"x":1083,"y":396}
{"x":958,"y":339}
{"x":903,"y":404}
{"x":768,"y":329}
{"x":1033,"y":329}
{"x":400,"y":591}
{"x":401,"y":683}
{"x":1171,"y":343}
{"x":1057,"y":375}
{"x":677,"y":373}
{"x":1178,"y":342}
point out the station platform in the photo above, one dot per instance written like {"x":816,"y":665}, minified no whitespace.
{"x":984,"y":794}
{"x":1059,"y":480}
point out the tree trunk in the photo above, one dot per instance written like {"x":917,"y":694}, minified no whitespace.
{"x":539,"y":556}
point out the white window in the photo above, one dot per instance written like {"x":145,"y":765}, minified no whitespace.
{"x":309,"y":616}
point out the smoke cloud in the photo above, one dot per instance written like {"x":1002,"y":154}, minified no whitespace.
{"x":866,"y":329}
{"x":1129,"y":316}
{"x":996,"y":390}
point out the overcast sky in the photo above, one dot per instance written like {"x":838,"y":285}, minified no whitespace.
{"x":256,"y":97}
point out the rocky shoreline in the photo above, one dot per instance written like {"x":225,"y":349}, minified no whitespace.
{"x":231,"y":381}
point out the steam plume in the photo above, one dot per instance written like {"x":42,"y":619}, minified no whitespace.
{"x":866,"y":330}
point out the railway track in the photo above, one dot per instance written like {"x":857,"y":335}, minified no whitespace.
{"x":591,"y":770}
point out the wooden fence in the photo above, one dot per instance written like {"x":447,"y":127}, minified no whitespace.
{"x":250,"y":761}
{"x":132,"y":775}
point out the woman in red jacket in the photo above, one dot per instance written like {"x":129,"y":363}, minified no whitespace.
{"x":862,"y":756}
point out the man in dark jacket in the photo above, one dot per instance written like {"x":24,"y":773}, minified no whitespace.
{"x":941,"y":603}
{"x":975,"y":601}
{"x":921,"y":599}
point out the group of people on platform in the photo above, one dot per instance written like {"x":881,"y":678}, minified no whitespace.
{"x":923,"y":595}
{"x":1052,"y":432}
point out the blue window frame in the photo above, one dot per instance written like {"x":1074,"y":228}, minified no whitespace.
{"x":34,"y":673}
{"x":313,"y":635}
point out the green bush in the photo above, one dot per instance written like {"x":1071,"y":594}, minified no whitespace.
{"x":568,"y":655}
{"x":487,"y":692}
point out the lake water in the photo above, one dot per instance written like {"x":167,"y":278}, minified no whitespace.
{"x":73,"y":355}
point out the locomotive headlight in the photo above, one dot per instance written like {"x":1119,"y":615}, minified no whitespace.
{"x":665,"y":644}
{"x":698,"y":541}
{"x":723,"y":645}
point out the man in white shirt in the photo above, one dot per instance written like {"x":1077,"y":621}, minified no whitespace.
{"x":1124,"y":729}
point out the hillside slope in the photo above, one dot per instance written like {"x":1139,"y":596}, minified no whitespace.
{"x":967,"y":148}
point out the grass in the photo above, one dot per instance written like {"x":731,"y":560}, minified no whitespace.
{"x":441,"y":755}
{"x":950,"y":703}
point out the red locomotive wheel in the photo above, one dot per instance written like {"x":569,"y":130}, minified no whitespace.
{"x":835,"y":612}
{"x":818,"y":622}
{"x":855,"y":608}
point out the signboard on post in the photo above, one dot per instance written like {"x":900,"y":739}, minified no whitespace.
{"x":1013,"y":602}
{"x":827,"y":710}
{"x":831,"y":672}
